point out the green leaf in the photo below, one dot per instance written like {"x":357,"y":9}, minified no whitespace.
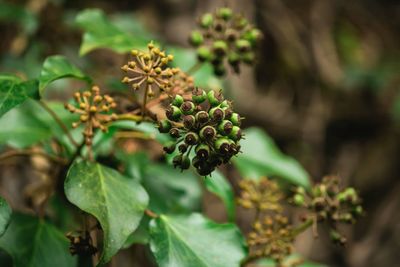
{"x":5,"y":215}
{"x":195,"y":241}
{"x":32,"y":242}
{"x":171,"y":190}
{"x":58,"y":67}
{"x":116,"y":201}
{"x":219,"y":185}
{"x":287,"y":262}
{"x":99,"y":32}
{"x":14,"y":91}
{"x":261,"y":157}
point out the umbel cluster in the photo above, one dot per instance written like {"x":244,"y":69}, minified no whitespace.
{"x":205,"y":123}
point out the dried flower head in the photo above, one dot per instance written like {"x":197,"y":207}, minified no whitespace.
{"x":225,"y":35}
{"x":328,"y":202}
{"x":94,"y":110}
{"x":272,"y":238}
{"x":149,"y":70}
{"x":262,"y":195}
{"x":205,"y":122}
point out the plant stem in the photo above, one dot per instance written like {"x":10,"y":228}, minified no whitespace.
{"x":302,"y":227}
{"x":130,"y":117}
{"x":150,"y":213}
{"x":17,"y":153}
{"x":59,"y":122}
{"x":194,"y":68}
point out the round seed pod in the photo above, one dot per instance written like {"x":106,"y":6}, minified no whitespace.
{"x":206,"y":20}
{"x":174,"y":132}
{"x":164,"y":126}
{"x":220,"y":47}
{"x":236,"y":133}
{"x":216,"y":114}
{"x":189,"y":121}
{"x":204,"y":53}
{"x":208,"y":133}
{"x":177,"y":101}
{"x":235,"y":119}
{"x":225,"y":127}
{"x":202,"y":117}
{"x":191,"y":138}
{"x":196,"y":38}
{"x":187,"y":107}
{"x":173,"y":113}
{"x":169,"y":148}
{"x":214,"y":98}
{"x":202,"y":151}
{"x":199,"y":95}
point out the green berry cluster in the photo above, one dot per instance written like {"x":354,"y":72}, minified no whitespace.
{"x":205,"y":122}
{"x":330,"y":203}
{"x":225,"y":35}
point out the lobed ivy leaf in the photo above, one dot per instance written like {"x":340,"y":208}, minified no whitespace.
{"x":33,"y":242}
{"x":5,"y":215}
{"x":195,"y":241}
{"x":14,"y":91}
{"x":219,"y":185}
{"x":99,"y":32}
{"x":261,"y":157}
{"x":116,"y":201}
{"x":58,"y":67}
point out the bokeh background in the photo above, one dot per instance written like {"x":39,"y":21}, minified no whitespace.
{"x":326,"y":88}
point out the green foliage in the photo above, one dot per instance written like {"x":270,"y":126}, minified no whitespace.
{"x":5,"y":215}
{"x":261,"y":157}
{"x":14,"y":91}
{"x":116,"y":201}
{"x":33,"y":242}
{"x":101,"y":33}
{"x":194,"y":241}
{"x":219,"y":185}
{"x":14,"y":13}
{"x":58,"y":67}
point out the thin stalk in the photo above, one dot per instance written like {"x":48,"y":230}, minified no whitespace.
{"x":59,"y":122}
{"x":194,"y":68}
{"x":18,"y":153}
{"x":302,"y":227}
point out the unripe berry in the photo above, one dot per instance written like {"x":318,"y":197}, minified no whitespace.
{"x":191,"y":138}
{"x":219,"y":69}
{"x":174,"y":132}
{"x":222,"y":145}
{"x":202,"y":117}
{"x":225,"y":127}
{"x":185,"y":164}
{"x":164,"y":126}
{"x":187,"y":107}
{"x":236,"y":133}
{"x":214,"y":98}
{"x":216,"y":114}
{"x":204,"y":54}
{"x":206,"y":20}
{"x":178,"y":100}
{"x":243,"y":45}
{"x":225,"y":13}
{"x":248,"y":58}
{"x":235,"y":119}
{"x":233,"y":58}
{"x":220,"y":47}
{"x":202,"y":151}
{"x":298,"y":200}
{"x":189,"y":121}
{"x":253,"y":36}
{"x":169,"y":148}
{"x":173,"y":113}
{"x":183,"y":148}
{"x":207,"y":133}
{"x":199,"y":95}
{"x":196,"y":38}
{"x":177,"y":160}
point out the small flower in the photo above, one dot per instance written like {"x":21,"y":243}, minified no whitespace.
{"x":202,"y":122}
{"x":225,"y":36}
{"x":149,"y":70}
{"x":262,"y":195}
{"x":94,"y":110}
{"x":272,"y":238}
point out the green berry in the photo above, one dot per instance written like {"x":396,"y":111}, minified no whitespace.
{"x":164,"y":126}
{"x":298,"y":200}
{"x":248,"y":58}
{"x":206,"y":20}
{"x":225,"y":13}
{"x":196,"y":38}
{"x":220,"y":47}
{"x":202,"y":117}
{"x":177,"y":160}
{"x":189,"y":121}
{"x":185,"y":164}
{"x":233,"y":58}
{"x":208,"y":133}
{"x":235,"y":119}
{"x":216,"y":114}
{"x":214,"y":98}
{"x":199,"y":95}
{"x":169,"y":148}
{"x":191,"y":138}
{"x":222,"y":145}
{"x":236,"y":133}
{"x":204,"y":53}
{"x":202,"y":151}
{"x":187,"y":107}
{"x":174,"y":132}
{"x":243,"y":45}
{"x":225,"y":127}
{"x":253,"y":36}
{"x":173,"y":113}
{"x":177,"y":101}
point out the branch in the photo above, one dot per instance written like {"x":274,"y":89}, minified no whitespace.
{"x":19,"y":153}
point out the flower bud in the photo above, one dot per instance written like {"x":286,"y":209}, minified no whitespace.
{"x":214,"y":98}
{"x":196,"y":38}
{"x":164,"y":126}
{"x":189,"y":121}
{"x":174,"y":132}
{"x":199,"y":95}
{"x":173,"y":113}
{"x":236,"y":133}
{"x":206,"y":20}
{"x":202,"y":151}
{"x":208,"y":133}
{"x":187,"y":107}
{"x":216,"y":114}
{"x":191,"y":138}
{"x":225,"y":127}
{"x":202,"y":117}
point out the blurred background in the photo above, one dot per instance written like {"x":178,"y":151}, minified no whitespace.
{"x":326,"y":88}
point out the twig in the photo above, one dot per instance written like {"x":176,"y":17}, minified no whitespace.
{"x":18,"y":153}
{"x":302,"y":227}
{"x":59,"y":121}
{"x":150,"y":213}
